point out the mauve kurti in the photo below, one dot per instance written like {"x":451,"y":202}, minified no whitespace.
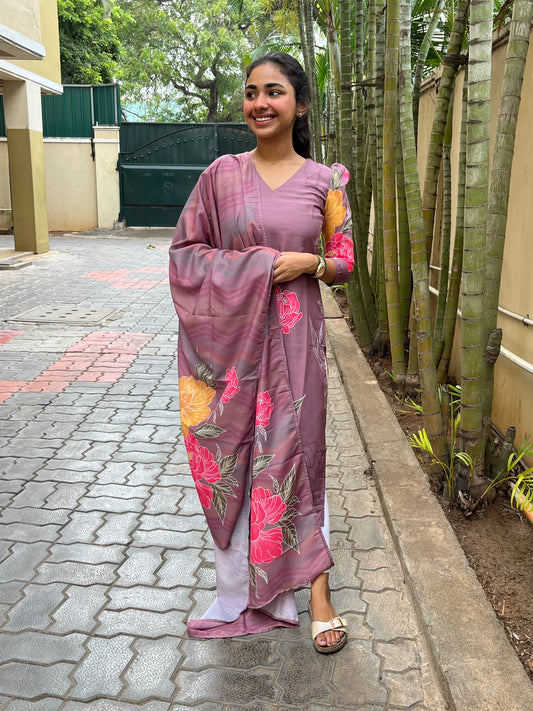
{"x":253,"y":381}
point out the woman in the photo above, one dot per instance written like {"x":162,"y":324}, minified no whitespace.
{"x":251,"y":357}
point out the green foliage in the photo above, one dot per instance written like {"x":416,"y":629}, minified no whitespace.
{"x":89,"y":41}
{"x":421,"y":442}
{"x":184,"y":61}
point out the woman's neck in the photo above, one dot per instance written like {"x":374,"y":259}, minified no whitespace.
{"x":275,"y":153}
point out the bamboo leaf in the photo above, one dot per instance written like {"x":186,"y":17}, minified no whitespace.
{"x":290,"y":537}
{"x":253,"y":579}
{"x":288,"y":516}
{"x":206,"y":374}
{"x":228,"y":464}
{"x":298,"y":404}
{"x":223,"y":488}
{"x":261,"y":463}
{"x":220,"y":504}
{"x":287,"y":488}
{"x":262,"y":574}
{"x":275,"y":484}
{"x":207,"y":431}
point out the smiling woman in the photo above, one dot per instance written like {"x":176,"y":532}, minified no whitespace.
{"x":244,"y":274}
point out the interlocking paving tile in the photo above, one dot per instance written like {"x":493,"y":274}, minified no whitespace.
{"x":141,"y":623}
{"x":82,"y":527}
{"x":33,"y":611}
{"x":65,"y":496}
{"x":390,"y":614}
{"x":226,"y":686}
{"x":140,"y":566}
{"x":76,"y":573}
{"x":304,"y":675}
{"x":86,"y":553}
{"x":34,"y":494}
{"x":235,"y":653}
{"x":149,"y":598}
{"x":112,"y":705}
{"x":49,"y":704}
{"x":78,"y":611}
{"x":405,"y":688}
{"x":169,"y":539}
{"x":30,"y":681}
{"x":22,"y":561}
{"x":164,"y":500}
{"x":179,"y":568}
{"x":40,"y":648}
{"x":117,"y":529}
{"x":150,"y":674}
{"x":362,"y":687}
{"x":38,"y":517}
{"x":99,"y":673}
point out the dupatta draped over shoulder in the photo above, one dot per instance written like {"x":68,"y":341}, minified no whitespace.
{"x":238,"y":411}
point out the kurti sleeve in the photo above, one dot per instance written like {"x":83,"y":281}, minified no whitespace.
{"x":337,"y":227}
{"x":208,"y":260}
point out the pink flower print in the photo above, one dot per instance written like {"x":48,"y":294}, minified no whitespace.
{"x":263,"y":410}
{"x":341,"y":246}
{"x":232,"y":385}
{"x":265,"y":545}
{"x":205,"y":493}
{"x":345,"y":176}
{"x":289,"y":309}
{"x":266,"y":506}
{"x":203,"y":466}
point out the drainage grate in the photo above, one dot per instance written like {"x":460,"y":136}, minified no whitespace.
{"x":75,"y":315}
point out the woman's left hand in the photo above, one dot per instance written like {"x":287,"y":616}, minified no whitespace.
{"x":291,"y":265}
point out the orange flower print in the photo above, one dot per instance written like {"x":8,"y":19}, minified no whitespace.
{"x":334,"y":213}
{"x":195,"y":397}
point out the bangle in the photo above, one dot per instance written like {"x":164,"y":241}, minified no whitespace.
{"x":321,"y":266}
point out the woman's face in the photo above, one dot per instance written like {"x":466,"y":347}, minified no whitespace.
{"x":270,"y":107}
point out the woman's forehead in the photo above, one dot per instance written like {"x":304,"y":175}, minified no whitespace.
{"x":267,"y":74}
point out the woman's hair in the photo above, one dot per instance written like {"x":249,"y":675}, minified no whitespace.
{"x":293,"y":70}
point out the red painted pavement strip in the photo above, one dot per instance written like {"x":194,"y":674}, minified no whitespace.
{"x":6,"y":336}
{"x":100,"y":357}
{"x":118,"y":278}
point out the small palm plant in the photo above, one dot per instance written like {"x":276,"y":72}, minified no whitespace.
{"x":420,"y":441}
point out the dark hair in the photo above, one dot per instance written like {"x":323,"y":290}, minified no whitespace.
{"x":293,"y":70}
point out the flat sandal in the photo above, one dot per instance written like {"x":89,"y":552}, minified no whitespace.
{"x":336,"y":623}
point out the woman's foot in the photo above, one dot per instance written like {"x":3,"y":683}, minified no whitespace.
{"x":333,"y":636}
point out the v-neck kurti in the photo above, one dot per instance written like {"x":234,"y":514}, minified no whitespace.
{"x":251,"y":360}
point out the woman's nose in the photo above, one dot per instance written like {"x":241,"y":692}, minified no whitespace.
{"x":261,"y":101}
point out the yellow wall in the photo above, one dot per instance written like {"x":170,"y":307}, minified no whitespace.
{"x":50,"y":66}
{"x":513,"y":396}
{"x":23,"y":17}
{"x":70,"y":185}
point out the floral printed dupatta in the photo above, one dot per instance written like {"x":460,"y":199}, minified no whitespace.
{"x":238,"y":415}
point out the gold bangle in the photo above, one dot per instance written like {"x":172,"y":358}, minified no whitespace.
{"x":321,"y":268}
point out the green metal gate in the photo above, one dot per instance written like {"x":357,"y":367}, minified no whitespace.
{"x":159,"y":164}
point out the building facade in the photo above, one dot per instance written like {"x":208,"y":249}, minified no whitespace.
{"x":29,"y":66}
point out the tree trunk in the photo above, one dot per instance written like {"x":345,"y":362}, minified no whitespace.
{"x":476,"y":200}
{"x":421,"y":62}
{"x":438,"y":342}
{"x":450,"y":313}
{"x":449,"y":70}
{"x":390,"y":240}
{"x":305,"y":22}
{"x":426,"y":364}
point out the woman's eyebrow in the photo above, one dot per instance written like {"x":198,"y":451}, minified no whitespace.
{"x":268,"y":86}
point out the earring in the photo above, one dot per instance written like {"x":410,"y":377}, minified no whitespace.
{"x":300,"y":113}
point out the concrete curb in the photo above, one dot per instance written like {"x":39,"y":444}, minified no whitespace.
{"x":476,"y":664}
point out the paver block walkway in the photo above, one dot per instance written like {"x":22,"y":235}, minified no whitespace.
{"x":104,"y":553}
